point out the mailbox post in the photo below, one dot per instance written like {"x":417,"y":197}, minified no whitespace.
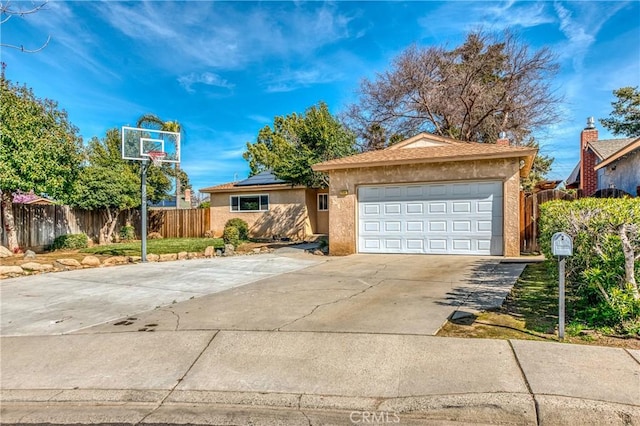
{"x":562,"y":246}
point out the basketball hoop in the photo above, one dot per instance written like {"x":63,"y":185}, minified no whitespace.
{"x":156,"y":157}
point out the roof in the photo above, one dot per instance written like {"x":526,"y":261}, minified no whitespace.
{"x":605,"y":148}
{"x":262,"y":181}
{"x":448,"y":151}
{"x":574,"y":177}
{"x":632,"y":145}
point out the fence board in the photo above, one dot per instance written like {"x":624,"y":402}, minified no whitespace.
{"x":37,"y":226}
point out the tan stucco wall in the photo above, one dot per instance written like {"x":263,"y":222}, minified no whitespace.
{"x":287,"y":215}
{"x":343,"y":209}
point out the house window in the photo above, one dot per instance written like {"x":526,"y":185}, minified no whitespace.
{"x":249,"y":203}
{"x":323,"y":202}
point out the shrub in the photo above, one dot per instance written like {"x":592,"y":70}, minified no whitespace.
{"x":599,"y":274}
{"x":70,"y":242}
{"x":127,"y":233}
{"x":241,"y":225}
{"x":231,"y":235}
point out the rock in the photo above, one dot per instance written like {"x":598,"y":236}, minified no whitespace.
{"x":6,"y":270}
{"x":29,"y":255}
{"x":209,"y":251}
{"x":182,"y":255}
{"x":229,"y":250}
{"x":168,"y":257}
{"x":265,"y":249}
{"x":193,"y":255}
{"x":135,"y":259}
{"x":256,"y":250}
{"x":67,"y":264}
{"x":218,"y":252}
{"x":37,"y":267}
{"x":152,"y":257}
{"x":90,"y":261}
{"x":116,"y":260}
{"x":5,"y":252}
{"x":318,"y":252}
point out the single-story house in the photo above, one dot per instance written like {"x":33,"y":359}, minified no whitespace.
{"x":428,"y":194}
{"x":271,"y":207}
{"x":170,"y":202}
{"x":606,"y":163}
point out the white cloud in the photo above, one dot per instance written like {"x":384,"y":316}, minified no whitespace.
{"x":287,"y":80}
{"x":205,"y":78}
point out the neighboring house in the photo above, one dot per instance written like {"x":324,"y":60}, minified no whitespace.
{"x":428,"y":194}
{"x":271,"y":207}
{"x":608,"y":163}
{"x":170,"y":202}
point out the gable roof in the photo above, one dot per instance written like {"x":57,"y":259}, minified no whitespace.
{"x":605,"y":148}
{"x":631,"y":145}
{"x":574,"y":177}
{"x":447,"y":150}
{"x":262,"y":181}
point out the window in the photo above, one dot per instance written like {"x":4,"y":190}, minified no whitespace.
{"x":249,"y":203}
{"x":323,"y":202}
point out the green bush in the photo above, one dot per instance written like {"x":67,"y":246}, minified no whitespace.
{"x":241,"y":225}
{"x":127,"y":233}
{"x":231,"y":235}
{"x":70,"y":242}
{"x":596,"y":271}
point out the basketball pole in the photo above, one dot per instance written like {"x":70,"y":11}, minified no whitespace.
{"x":143,"y":225}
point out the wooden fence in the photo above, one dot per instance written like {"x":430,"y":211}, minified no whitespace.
{"x":38,"y":225}
{"x":530,"y":213}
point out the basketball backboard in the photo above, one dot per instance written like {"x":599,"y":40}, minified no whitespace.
{"x":138,"y":142}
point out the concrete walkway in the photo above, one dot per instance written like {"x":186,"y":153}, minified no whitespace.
{"x":304,"y":347}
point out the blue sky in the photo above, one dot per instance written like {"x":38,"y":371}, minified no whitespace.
{"x":225,"y":69}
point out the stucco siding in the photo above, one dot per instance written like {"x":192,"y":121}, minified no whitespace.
{"x":344,"y":183}
{"x":623,"y":174}
{"x":287,"y":216}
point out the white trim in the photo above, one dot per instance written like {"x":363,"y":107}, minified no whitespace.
{"x":259,"y":196}
{"x":326,"y":195}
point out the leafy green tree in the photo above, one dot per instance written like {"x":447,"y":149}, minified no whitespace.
{"x":39,"y":149}
{"x":625,"y":117}
{"x":296,"y":142}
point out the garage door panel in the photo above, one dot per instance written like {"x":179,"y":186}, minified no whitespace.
{"x":460,"y":218}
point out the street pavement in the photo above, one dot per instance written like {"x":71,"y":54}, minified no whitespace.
{"x":341,"y":341}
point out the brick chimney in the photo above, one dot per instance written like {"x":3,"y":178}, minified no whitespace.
{"x":588,"y":176}
{"x":502,"y":139}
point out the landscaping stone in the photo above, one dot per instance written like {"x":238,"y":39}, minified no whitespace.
{"x":67,"y":264}
{"x":218,"y":252}
{"x":5,"y":270}
{"x":29,"y":255}
{"x":193,"y":255}
{"x":90,"y":261}
{"x":182,"y":255}
{"x":37,"y":267}
{"x":168,"y":257}
{"x":152,"y":257}
{"x":116,"y":260}
{"x":5,"y":252}
{"x":318,"y":253}
{"x":135,"y":259}
{"x":209,"y":251}
{"x":229,"y":250}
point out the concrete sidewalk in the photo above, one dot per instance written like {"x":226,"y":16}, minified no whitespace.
{"x":266,"y":377}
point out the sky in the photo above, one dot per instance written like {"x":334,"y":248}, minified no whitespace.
{"x":224,"y":70}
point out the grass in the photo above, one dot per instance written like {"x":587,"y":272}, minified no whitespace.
{"x":530,"y":312}
{"x":159,"y":246}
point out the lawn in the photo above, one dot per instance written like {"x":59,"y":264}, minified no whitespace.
{"x":531,"y":312}
{"x":159,"y":246}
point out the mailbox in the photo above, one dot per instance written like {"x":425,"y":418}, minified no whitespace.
{"x":561,"y":244}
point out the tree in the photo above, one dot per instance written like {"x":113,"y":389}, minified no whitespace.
{"x":625,"y":117}
{"x":296,"y":142}
{"x":39,"y":149}
{"x":8,"y":11}
{"x":540,"y":168}
{"x":487,"y":85}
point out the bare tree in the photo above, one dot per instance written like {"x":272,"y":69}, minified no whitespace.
{"x":491,"y":83}
{"x":8,"y":11}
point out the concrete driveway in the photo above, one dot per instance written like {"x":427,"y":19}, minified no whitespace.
{"x":402,"y":294}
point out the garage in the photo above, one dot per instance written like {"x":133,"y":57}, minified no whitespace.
{"x":444,"y":218}
{"x":428,"y":195}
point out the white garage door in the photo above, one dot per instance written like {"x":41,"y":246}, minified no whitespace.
{"x":453,"y":218}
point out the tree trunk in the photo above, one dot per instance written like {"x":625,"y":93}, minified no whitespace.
{"x":629,"y":259}
{"x":9,"y":222}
